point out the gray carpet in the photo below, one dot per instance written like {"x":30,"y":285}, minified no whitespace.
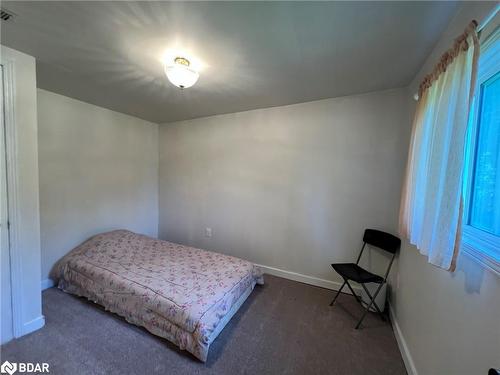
{"x":284,"y":327}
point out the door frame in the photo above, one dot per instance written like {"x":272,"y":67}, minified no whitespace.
{"x":16,"y":277}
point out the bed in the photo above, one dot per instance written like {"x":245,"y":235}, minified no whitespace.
{"x":183,"y":294}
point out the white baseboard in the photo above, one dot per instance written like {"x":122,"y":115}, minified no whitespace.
{"x":33,"y":325}
{"x":403,"y":347}
{"x":47,"y":283}
{"x":311,"y":280}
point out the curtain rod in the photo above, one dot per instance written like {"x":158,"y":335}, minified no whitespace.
{"x":479,"y":28}
{"x":488,"y":18}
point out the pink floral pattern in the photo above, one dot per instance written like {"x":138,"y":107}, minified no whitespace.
{"x":176,"y":292}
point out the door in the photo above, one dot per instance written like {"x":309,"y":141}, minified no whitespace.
{"x":6,"y":331}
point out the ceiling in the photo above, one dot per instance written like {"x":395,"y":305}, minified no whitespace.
{"x":254,"y":55}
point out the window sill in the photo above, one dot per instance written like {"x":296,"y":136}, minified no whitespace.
{"x":480,"y":247}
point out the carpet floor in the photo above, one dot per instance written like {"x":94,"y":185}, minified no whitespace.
{"x":284,"y":327}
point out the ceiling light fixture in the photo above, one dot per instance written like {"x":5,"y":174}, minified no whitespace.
{"x":180,"y":73}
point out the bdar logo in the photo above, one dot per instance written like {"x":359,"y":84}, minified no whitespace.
{"x":8,"y":368}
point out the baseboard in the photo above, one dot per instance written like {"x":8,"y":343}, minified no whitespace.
{"x":403,"y":347}
{"x":311,"y":280}
{"x":33,"y":325}
{"x":47,"y":283}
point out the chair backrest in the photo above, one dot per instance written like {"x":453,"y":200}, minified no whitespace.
{"x":382,"y":240}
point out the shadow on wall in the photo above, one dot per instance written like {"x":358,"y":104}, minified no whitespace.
{"x":412,"y":269}
{"x":473,"y":273}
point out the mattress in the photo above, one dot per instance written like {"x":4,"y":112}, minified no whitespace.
{"x":180,"y":293}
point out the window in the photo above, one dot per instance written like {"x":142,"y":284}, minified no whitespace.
{"x":481,"y":229}
{"x":485,"y":200}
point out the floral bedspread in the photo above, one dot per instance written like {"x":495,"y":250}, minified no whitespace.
{"x":176,"y":292}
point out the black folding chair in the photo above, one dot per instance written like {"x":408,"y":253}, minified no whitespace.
{"x":352,"y":271}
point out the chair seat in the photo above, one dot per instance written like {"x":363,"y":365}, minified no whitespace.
{"x":352,"y":271}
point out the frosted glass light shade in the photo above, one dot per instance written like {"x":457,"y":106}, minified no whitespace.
{"x":181,"y":75}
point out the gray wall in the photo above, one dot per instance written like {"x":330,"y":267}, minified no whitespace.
{"x":288,"y":187}
{"x":27,"y":228}
{"x":449,"y":321}
{"x":98,"y":172}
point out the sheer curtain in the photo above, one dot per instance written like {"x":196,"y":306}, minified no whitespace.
{"x":431,"y":207}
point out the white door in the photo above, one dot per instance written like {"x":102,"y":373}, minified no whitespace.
{"x":6,"y":332}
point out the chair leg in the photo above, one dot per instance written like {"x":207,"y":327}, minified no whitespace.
{"x":336,"y":295}
{"x":369,"y":305}
{"x":374,"y":302}
{"x":353,"y":293}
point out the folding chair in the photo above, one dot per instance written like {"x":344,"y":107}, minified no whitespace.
{"x":352,"y":271}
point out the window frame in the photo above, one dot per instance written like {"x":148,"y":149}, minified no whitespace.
{"x":482,"y":246}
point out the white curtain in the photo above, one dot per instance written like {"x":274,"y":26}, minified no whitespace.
{"x":431,"y":207}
